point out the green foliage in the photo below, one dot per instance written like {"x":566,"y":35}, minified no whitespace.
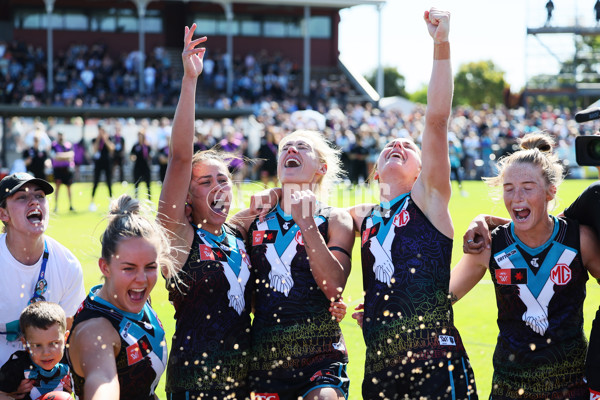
{"x":393,"y":82}
{"x":420,"y":96}
{"x":475,"y":315}
{"x":479,"y":83}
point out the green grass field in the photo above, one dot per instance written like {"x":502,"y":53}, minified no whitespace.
{"x":475,"y":315}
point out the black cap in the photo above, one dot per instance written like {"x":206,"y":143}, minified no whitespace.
{"x":10,"y":184}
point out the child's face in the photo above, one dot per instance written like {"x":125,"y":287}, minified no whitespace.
{"x":46,"y":346}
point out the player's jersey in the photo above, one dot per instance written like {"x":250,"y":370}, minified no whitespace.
{"x":19,"y":366}
{"x":292,"y":332}
{"x":406,"y":275}
{"x":143,"y":355}
{"x":540,"y":292}
{"x":211,"y":344}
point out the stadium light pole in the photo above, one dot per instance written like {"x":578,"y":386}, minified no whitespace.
{"x":306,"y":77}
{"x":380,"y":85}
{"x":49,"y":48}
{"x":229,"y":15}
{"x":141,"y":7}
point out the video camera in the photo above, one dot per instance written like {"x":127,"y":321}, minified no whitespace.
{"x":587,"y":148}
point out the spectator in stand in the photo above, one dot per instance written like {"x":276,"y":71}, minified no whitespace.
{"x":119,"y":153}
{"x":63,"y":164}
{"x":142,"y":160}
{"x":35,"y":159}
{"x":103,"y":149}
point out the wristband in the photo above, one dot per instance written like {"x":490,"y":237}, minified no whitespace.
{"x":441,"y":51}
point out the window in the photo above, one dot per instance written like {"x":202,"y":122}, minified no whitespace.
{"x":113,"y":20}
{"x":320,"y":27}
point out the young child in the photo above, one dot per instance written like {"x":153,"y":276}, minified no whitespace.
{"x":44,"y":327}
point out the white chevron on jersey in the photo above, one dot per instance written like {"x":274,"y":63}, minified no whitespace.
{"x":536,"y":315}
{"x":237,"y":285}
{"x":280,"y":276}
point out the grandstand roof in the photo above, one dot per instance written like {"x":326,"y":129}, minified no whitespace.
{"x":312,"y":3}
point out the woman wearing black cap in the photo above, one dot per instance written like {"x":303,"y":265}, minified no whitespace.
{"x":29,"y":259}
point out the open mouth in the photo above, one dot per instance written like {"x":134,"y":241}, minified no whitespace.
{"x":292,"y":163}
{"x":521,"y":214}
{"x":35,"y":217}
{"x":219,"y":205}
{"x":136,"y":294}
{"x":396,"y":155}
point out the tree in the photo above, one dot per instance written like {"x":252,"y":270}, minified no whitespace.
{"x":479,"y":83}
{"x":420,"y":96}
{"x":393,"y":82}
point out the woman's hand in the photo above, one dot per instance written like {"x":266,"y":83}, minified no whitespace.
{"x":338,"y":309}
{"x":359,"y":314}
{"x":192,"y":57}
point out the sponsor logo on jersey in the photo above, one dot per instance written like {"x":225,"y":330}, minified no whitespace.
{"x":369,"y":233}
{"x":206,"y":253}
{"x":560,"y":274}
{"x":263,"y":237}
{"x":266,"y":396}
{"x":446,"y":340}
{"x":299,"y":239}
{"x":137,"y":351}
{"x":534,"y":262}
{"x":502,"y":256}
{"x":401,"y":219}
{"x":125,"y":330}
{"x":134,"y":355}
{"x":511,"y":276}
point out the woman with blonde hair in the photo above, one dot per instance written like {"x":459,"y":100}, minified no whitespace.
{"x":539,"y":265}
{"x":300,"y":255}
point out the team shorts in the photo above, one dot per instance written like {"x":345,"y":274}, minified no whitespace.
{"x":63,"y":175}
{"x":332,"y":376}
{"x":439,"y":378}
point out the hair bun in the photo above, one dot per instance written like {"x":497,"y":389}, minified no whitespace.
{"x":541,"y":141}
{"x":124,"y":205}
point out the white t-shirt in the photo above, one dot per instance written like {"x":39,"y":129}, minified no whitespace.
{"x":17,"y":285}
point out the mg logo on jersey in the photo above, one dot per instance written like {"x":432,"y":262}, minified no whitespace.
{"x":560,"y":274}
{"x":401,"y":219}
{"x":298,"y":238}
{"x":266,"y":396}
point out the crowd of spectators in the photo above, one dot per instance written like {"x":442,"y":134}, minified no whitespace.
{"x":479,"y":137}
{"x":89,"y":76}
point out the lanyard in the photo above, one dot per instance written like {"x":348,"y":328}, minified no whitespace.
{"x":42,"y":285}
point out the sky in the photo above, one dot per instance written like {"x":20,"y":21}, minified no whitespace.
{"x":479,"y":30}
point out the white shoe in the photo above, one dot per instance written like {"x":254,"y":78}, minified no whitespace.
{"x":93,"y":207}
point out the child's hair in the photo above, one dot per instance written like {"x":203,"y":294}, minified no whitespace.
{"x":125,"y":221}
{"x":42,"y":315}
{"x":327,"y":155}
{"x":536,"y":149}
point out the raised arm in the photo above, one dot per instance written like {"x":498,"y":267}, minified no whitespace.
{"x":171,"y":207}
{"x":432,"y":189}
